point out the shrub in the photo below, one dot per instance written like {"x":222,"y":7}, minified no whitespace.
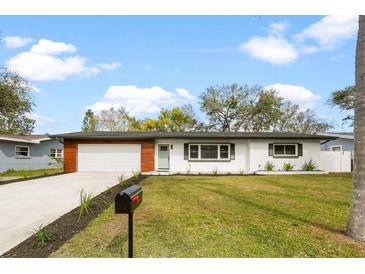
{"x":242,"y":172}
{"x":135,"y":175}
{"x":10,"y":170}
{"x":309,"y":166}
{"x":85,"y":203}
{"x":121,"y":179}
{"x":42,"y":235}
{"x":269,"y":166}
{"x":288,"y":166}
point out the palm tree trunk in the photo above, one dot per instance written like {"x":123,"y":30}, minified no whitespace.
{"x":356,"y":222}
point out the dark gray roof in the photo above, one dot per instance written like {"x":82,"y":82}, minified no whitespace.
{"x":214,"y":135}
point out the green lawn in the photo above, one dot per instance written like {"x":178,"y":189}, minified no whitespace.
{"x":14,"y":174}
{"x":228,"y":216}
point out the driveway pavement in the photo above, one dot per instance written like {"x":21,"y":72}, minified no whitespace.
{"x":24,"y":206}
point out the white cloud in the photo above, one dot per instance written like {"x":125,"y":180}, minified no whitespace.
{"x":184,"y":93}
{"x":330,"y":31}
{"x":48,"y":47}
{"x":111,"y":66}
{"x":42,"y":63}
{"x":278,"y":28}
{"x":140,"y":101}
{"x":12,"y":42}
{"x":271,"y":49}
{"x":41,"y":120}
{"x":308,"y":49}
{"x":296,"y":94}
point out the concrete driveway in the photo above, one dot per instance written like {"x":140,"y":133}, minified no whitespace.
{"x":24,"y":206}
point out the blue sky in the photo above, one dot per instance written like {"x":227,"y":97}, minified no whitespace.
{"x":149,"y":62}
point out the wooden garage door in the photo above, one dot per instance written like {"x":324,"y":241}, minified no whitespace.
{"x":109,"y":157}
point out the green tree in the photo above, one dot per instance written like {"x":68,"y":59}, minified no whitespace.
{"x":15,"y":104}
{"x":266,"y":111}
{"x":225,"y":106}
{"x":288,"y":117}
{"x":254,"y":109}
{"x":308,"y":122}
{"x":178,"y":119}
{"x":344,"y":99}
{"x":356,"y":222}
{"x":89,"y":123}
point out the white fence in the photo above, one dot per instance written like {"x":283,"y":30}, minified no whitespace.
{"x":336,"y":161}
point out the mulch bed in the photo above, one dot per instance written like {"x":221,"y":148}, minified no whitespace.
{"x":65,"y":227}
{"x":30,"y":178}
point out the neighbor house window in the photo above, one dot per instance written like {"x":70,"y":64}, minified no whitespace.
{"x":56,"y":153}
{"x":336,"y":148}
{"x":209,"y":152}
{"x":21,"y":151}
{"x":285,"y":150}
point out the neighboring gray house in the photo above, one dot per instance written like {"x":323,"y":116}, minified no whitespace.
{"x":28,"y":152}
{"x":344,"y":142}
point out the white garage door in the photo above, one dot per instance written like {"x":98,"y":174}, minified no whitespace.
{"x":109,"y":157}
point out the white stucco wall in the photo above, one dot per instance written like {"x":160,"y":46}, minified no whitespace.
{"x":250,"y":156}
{"x":259,"y":155}
{"x":178,"y":164}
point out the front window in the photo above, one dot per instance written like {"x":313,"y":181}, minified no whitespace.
{"x":56,"y":153}
{"x":194,"y":152}
{"x":282,"y":150}
{"x":21,"y":151}
{"x":224,"y":151}
{"x":209,"y":152}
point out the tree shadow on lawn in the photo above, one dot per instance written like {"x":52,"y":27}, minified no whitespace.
{"x":274,"y":211}
{"x":117,"y":245}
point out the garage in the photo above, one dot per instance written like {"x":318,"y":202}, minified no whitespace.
{"x":109,"y":157}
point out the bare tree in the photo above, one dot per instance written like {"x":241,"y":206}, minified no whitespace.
{"x":113,"y":119}
{"x":356,"y":222}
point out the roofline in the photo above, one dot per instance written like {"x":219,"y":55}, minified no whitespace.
{"x":10,"y":139}
{"x":339,"y":135}
{"x":152,"y":137}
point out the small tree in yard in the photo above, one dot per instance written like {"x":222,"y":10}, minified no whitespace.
{"x":356,"y":222}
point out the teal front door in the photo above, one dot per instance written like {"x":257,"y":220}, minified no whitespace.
{"x":163,"y":157}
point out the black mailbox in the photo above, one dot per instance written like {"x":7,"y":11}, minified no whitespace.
{"x":128,"y":200}
{"x":125,"y":203}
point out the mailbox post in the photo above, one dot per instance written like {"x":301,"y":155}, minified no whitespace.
{"x":126,"y":202}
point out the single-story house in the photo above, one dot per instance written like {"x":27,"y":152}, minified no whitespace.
{"x":28,"y":152}
{"x":185,"y":152}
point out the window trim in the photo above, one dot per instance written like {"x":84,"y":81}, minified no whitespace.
{"x":20,"y":156}
{"x":57,"y":155}
{"x":219,"y":159}
{"x":285,"y":155}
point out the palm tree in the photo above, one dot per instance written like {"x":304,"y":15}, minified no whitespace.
{"x":356,"y":222}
